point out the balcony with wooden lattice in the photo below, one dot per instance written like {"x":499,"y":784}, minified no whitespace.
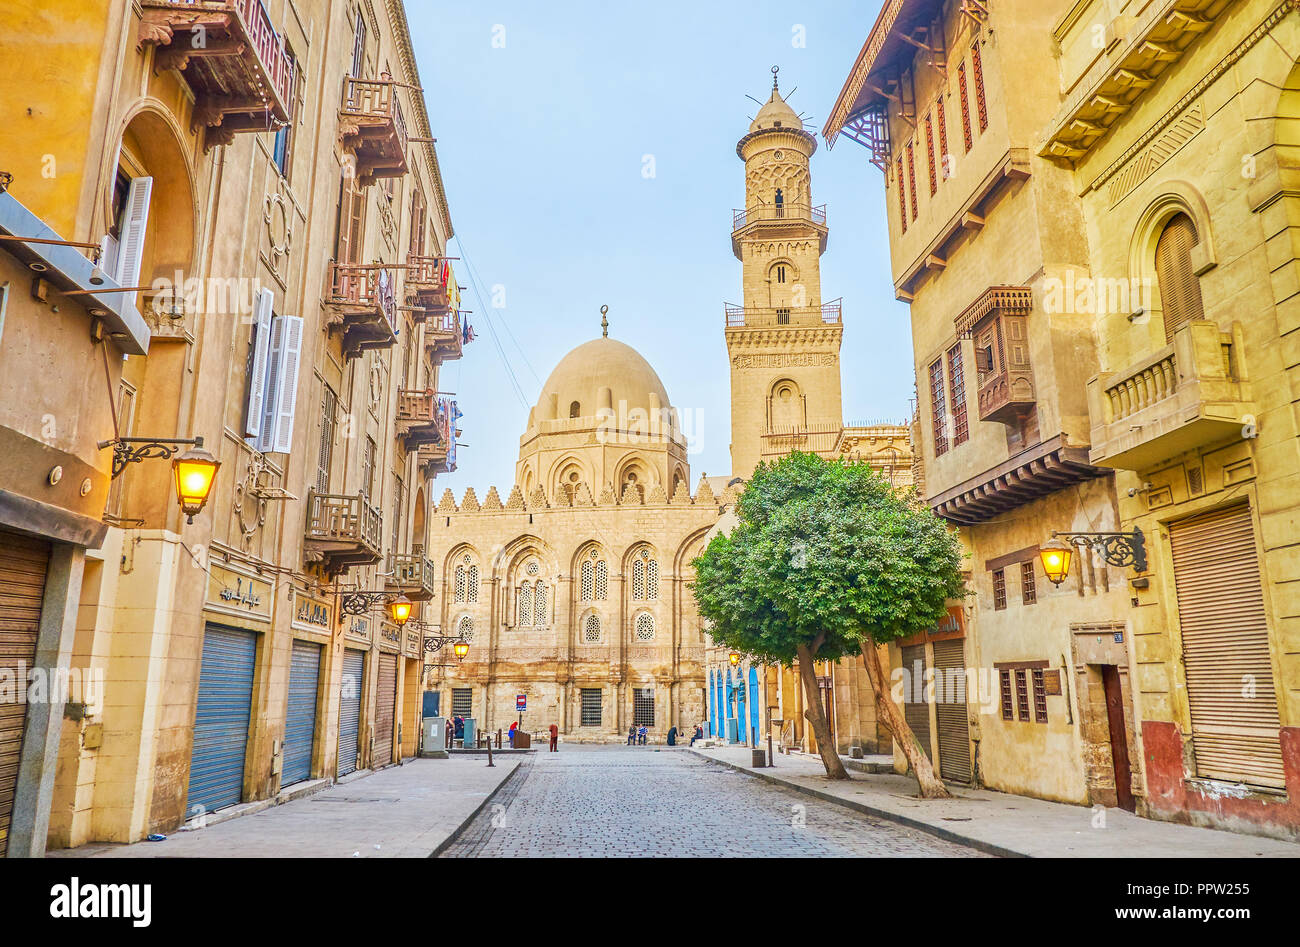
{"x":429,"y":284}
{"x":419,"y":420}
{"x":411,"y":574}
{"x":1189,"y":394}
{"x":342,"y":531}
{"x":361,"y":306}
{"x":230,"y":56}
{"x":443,"y":339}
{"x":372,"y":128}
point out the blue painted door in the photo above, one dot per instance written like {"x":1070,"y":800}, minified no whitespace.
{"x":354,"y":662}
{"x":221,"y":719}
{"x":740,"y":707}
{"x":753,"y":703}
{"x":300,"y":719}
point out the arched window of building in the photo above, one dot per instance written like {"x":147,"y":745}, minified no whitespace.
{"x":1180,"y":288}
{"x":645,"y":576}
{"x":591,"y":629}
{"x":645,"y":627}
{"x":588,"y":590}
{"x":638,"y":579}
{"x":602,"y":581}
{"x":593,"y":577}
{"x":540,"y":612}
{"x":465,"y":628}
{"x":472,"y":592}
{"x":525,"y":616}
{"x":575,"y":410}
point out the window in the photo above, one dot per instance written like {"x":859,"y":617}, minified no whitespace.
{"x":643,"y":707}
{"x":540,"y":612}
{"x":943,"y":137}
{"x":602,"y":581}
{"x":1022,"y":696}
{"x":1004,"y":679}
{"x":645,"y":577}
{"x":591,"y":629}
{"x":1028,"y":590}
{"x":472,"y":591}
{"x":368,"y":465}
{"x":911,"y":178}
{"x":780,"y":273}
{"x":929,"y":154}
{"x":399,"y":505}
{"x":645,"y":627}
{"x":329,"y":405}
{"x":359,"y":46}
{"x":938,"y":408}
{"x":462,"y":701}
{"x":957,"y":388}
{"x":902,"y":196}
{"x":1040,"y":695}
{"x":575,"y":410}
{"x":967,"y":138}
{"x":1180,"y":289}
{"x":999,"y":589}
{"x":591,"y":707}
{"x":466,"y":580}
{"x":977,"y":69}
{"x":282,"y":147}
{"x":350,"y":225}
{"x":783,"y":317}
{"x":465,"y":628}
{"x":525,"y":616}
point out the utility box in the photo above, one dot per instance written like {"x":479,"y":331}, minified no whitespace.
{"x":758,"y":759}
{"x":435,"y":738}
{"x":469,"y":741}
{"x":733,"y":730}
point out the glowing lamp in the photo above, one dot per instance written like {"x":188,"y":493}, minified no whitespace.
{"x":399,"y":610}
{"x":195,"y":470}
{"x":461,"y":648}
{"x":1055,"y":556}
{"x":734,"y":658}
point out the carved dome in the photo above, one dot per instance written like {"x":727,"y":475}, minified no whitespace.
{"x":582,"y":377}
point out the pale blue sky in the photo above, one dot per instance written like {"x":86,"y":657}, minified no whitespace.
{"x":541,"y":145}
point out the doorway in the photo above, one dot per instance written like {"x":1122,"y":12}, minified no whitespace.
{"x":1118,"y":737}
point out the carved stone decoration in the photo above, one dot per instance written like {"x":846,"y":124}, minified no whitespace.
{"x":278,"y":218}
{"x":249,"y":502}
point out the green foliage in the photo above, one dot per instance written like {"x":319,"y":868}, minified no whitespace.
{"x":825,"y":549}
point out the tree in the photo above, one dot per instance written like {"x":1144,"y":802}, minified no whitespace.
{"x":827,"y":561}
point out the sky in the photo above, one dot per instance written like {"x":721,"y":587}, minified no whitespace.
{"x":588,"y":155}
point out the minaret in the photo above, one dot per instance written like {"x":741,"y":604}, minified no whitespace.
{"x":782,"y":342}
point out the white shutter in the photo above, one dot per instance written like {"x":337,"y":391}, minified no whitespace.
{"x":290,"y":357}
{"x":135,"y":216}
{"x":255,"y":403}
{"x":266,"y":437}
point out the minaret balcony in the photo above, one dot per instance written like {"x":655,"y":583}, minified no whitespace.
{"x":342,"y":531}
{"x":443,"y":340}
{"x":230,"y":56}
{"x":372,"y":128}
{"x":412,"y":575}
{"x":774,"y":220}
{"x":361,"y":306}
{"x":428,"y":280}
{"x":749,"y":317}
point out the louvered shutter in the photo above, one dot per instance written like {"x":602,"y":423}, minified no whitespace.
{"x":916,"y":710}
{"x":1230,"y":688}
{"x":136,"y":217}
{"x":950,"y":712}
{"x":1180,"y":289}
{"x":255,"y":403}
{"x":287,"y":397}
{"x":266,"y":437}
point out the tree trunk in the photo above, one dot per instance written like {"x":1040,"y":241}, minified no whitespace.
{"x":932,"y":786}
{"x":816,"y":716}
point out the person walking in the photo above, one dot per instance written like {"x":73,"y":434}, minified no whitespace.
{"x":555,"y":739}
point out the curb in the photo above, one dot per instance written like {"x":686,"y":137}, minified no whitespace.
{"x":460,"y":829}
{"x":948,"y":835}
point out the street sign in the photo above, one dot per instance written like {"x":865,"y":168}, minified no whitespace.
{"x":521,"y":702}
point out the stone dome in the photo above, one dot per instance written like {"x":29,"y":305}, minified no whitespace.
{"x":603,"y":363}
{"x":776,"y":113}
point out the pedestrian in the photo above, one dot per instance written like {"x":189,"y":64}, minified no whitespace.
{"x":672,"y":736}
{"x":555,"y":739}
{"x":697,"y":735}
{"x":451,"y":730}
{"x":459,"y":732}
{"x":512,"y":734}
{"x":631,"y":735}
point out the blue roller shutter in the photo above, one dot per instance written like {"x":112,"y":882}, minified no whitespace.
{"x":300,"y":719}
{"x":354,"y":663}
{"x":221,"y":719}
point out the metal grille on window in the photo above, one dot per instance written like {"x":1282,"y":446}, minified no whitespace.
{"x":591,"y":629}
{"x":525,"y":604}
{"x":591,"y":707}
{"x":472,"y":592}
{"x":999,"y":589}
{"x":1022,"y":696}
{"x":588,"y":582}
{"x":462,"y":701}
{"x":1028,"y":589}
{"x":1004,"y":679}
{"x":957,"y":387}
{"x":645,"y":627}
{"x":540,"y":613}
{"x":643,"y":707}
{"x":1040,"y":695}
{"x":465,"y":629}
{"x":1180,"y":288}
{"x":939,"y":408}
{"x":602,"y":581}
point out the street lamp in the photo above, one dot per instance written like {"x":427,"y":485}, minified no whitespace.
{"x":196,"y":471}
{"x":399,"y":610}
{"x":1116,"y":549}
{"x":461,"y":648}
{"x":734,"y":658}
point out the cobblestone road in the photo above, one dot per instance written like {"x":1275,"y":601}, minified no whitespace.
{"x":625,"y":801}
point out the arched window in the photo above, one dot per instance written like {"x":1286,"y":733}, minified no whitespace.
{"x":465,"y":628}
{"x":638,"y":579}
{"x":645,"y":627}
{"x":575,"y":410}
{"x":591,"y":629}
{"x":540,"y":613}
{"x":652,"y":579}
{"x":525,"y":605}
{"x":602,"y":581}
{"x":1180,"y":289}
{"x":460,"y":582}
{"x":645,"y":577}
{"x":472,"y":592}
{"x":588,"y":590}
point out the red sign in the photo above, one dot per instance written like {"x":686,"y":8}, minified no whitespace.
{"x":521,"y":702}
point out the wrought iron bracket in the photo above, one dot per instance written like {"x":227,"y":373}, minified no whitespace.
{"x":133,"y":450}
{"x":1116,"y":549}
{"x":364,"y":601}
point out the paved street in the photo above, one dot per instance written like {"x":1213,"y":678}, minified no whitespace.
{"x":643,"y":801}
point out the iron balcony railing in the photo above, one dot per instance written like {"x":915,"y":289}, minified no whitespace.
{"x":749,"y":316}
{"x":747,"y":215}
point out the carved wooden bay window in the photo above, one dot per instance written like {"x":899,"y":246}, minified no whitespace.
{"x":998,"y":322}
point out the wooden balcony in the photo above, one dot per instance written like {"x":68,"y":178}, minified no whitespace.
{"x":342,"y":531}
{"x":372,"y":128}
{"x":419,"y":421}
{"x":434,"y":459}
{"x":1186,"y":395}
{"x":429,"y":280}
{"x":775,"y":220}
{"x":361,"y":306}
{"x":998,"y":323}
{"x":443,"y":339}
{"x":231,"y":58}
{"x":412,"y":575}
{"x":750,"y":317}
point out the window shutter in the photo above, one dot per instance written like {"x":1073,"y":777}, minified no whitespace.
{"x":131,"y":250}
{"x":1180,"y":289}
{"x":255,"y":399}
{"x":291,"y":358}
{"x":266,"y":436}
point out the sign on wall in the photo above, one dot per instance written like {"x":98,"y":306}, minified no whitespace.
{"x":237,"y":594}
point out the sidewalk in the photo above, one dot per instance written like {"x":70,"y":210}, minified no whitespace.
{"x":400,"y":812}
{"x":1003,"y":824}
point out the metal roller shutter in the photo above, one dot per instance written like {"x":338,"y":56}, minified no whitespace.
{"x":1225,"y":648}
{"x":950,"y":711}
{"x":23,"y":564}
{"x":221,"y":719}
{"x":300,"y":718}
{"x":915,"y":710}
{"x":385,"y":710}
{"x":354,"y":663}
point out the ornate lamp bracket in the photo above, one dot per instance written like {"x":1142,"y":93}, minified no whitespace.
{"x":133,"y":450}
{"x":1116,"y":549}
